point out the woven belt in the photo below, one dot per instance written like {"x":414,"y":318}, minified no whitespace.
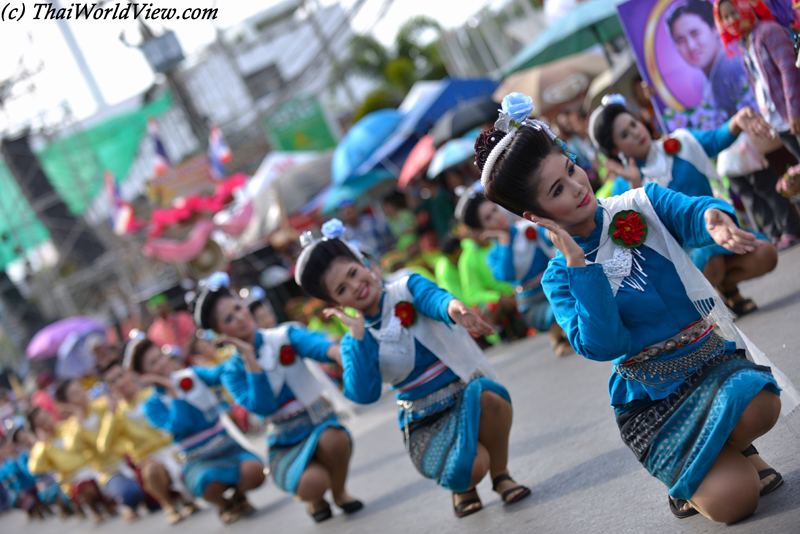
{"x":685,"y":337}
{"x":657,"y":372}
{"x":423,"y":405}
{"x":217,"y":442}
{"x":321,"y":408}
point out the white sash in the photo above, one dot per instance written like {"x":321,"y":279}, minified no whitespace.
{"x":452,"y":344}
{"x":524,"y":249}
{"x":699,"y":290}
{"x":658,"y":167}
{"x":200,"y":395}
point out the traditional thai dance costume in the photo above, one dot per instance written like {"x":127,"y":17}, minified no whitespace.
{"x":436,"y":370}
{"x":206,"y":452}
{"x":522,"y":262}
{"x":678,"y":386}
{"x":19,"y":483}
{"x":689,"y":171}
{"x":288,"y":393}
{"x":127,"y":432}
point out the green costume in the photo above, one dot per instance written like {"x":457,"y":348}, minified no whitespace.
{"x":478,"y":284}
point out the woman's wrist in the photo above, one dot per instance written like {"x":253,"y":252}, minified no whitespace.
{"x":734,"y":127}
{"x":576,"y":261}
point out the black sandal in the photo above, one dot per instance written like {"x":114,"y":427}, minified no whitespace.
{"x":351,"y":507}
{"x":776,"y":482}
{"x":460,"y":509}
{"x":518,"y":497}
{"x":322,"y":515}
{"x":742,"y":307}
{"x":676,"y":505}
{"x":230,"y":514}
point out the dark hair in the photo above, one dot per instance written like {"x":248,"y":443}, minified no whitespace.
{"x":450,"y":245}
{"x":604,"y":128}
{"x":314,"y":262}
{"x":511,"y":182}
{"x":253,"y":306}
{"x":106,"y":368}
{"x":396,"y":199}
{"x":137,"y":356}
{"x":32,"y":413}
{"x":471,"y":217}
{"x":701,"y":8}
{"x":61,"y":389}
{"x":15,"y":434}
{"x":207,"y":302}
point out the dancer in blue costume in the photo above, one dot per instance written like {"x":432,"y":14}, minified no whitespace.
{"x":617,"y":132}
{"x":309,"y":451}
{"x":184,"y":405}
{"x":688,"y":403}
{"x":411,"y":334}
{"x":519,"y":255}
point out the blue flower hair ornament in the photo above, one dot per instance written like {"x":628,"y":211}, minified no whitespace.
{"x":333,"y":229}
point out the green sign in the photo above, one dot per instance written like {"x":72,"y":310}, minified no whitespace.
{"x":300,"y":125}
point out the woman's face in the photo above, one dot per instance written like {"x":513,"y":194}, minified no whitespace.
{"x":44,"y":420}
{"x":696,"y":42}
{"x":154,"y":362}
{"x":233,"y":319}
{"x":76,"y":394}
{"x":492,"y":217}
{"x":264,"y":318}
{"x":730,"y":17}
{"x":630,"y":137}
{"x":120,"y":381}
{"x":350,"y":283}
{"x":564,"y":192}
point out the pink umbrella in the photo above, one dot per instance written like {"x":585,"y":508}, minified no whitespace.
{"x":47,"y":340}
{"x":417,"y":160}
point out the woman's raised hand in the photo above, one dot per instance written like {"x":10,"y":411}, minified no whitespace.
{"x":563,"y":242}
{"x":355,"y":324}
{"x":246,"y":351}
{"x":726,"y":234}
{"x":468,"y":318}
{"x":631,"y":173}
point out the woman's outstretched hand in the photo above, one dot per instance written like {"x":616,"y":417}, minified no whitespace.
{"x":726,"y":234}
{"x":468,"y":318}
{"x":631,"y":173}
{"x":563,"y":242}
{"x":751,"y":122}
{"x":355,"y":324}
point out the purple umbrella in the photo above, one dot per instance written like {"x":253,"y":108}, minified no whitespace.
{"x":47,"y":340}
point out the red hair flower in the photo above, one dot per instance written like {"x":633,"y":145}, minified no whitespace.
{"x":186,"y":383}
{"x":406,"y":312}
{"x":672,"y":146}
{"x":628,"y":229}
{"x":530,"y":233}
{"x":287,"y":355}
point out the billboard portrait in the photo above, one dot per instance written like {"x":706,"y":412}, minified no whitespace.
{"x":679,"y":52}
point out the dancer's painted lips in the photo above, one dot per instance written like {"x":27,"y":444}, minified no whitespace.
{"x":584,"y":201}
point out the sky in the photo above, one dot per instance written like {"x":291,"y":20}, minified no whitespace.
{"x":122,"y":72}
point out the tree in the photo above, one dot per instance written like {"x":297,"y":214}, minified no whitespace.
{"x":413,"y":56}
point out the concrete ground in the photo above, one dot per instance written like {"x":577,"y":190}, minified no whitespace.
{"x":564,"y":445}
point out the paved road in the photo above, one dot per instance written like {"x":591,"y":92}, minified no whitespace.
{"x":564,"y":444}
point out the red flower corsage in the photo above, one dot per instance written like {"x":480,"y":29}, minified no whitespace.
{"x":628,"y":229}
{"x":287,"y":355}
{"x":530,"y":233}
{"x":406,"y":312}
{"x":186,"y":383}
{"x":672,"y":146}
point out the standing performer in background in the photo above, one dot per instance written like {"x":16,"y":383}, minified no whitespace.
{"x":411,"y":334}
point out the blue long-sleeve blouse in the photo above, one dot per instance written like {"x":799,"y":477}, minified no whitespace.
{"x":686,"y":178}
{"x":177,"y":416}
{"x":252,"y":390}
{"x":606,"y":328}
{"x":362,"y":376}
{"x":501,"y":259}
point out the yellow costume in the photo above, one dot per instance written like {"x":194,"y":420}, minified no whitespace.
{"x":81,"y":436}
{"x":53,"y":456}
{"x":125,"y":431}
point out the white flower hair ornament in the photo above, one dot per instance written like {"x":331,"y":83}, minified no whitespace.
{"x":515,"y":113}
{"x":332,"y":229}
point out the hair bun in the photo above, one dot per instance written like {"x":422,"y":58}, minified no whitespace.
{"x":486,"y":141}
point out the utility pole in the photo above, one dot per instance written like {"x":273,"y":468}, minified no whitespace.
{"x":326,"y":49}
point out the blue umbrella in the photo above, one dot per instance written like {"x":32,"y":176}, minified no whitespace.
{"x":354,"y":189}
{"x":450,"y":154}
{"x":363,"y":138}
{"x":421,"y":118}
{"x":591,"y":23}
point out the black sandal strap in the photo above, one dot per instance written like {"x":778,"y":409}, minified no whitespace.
{"x":496,"y":481}
{"x":730,"y":294}
{"x":750,"y":451}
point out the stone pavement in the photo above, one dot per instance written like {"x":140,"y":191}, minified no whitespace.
{"x":564,"y":445}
